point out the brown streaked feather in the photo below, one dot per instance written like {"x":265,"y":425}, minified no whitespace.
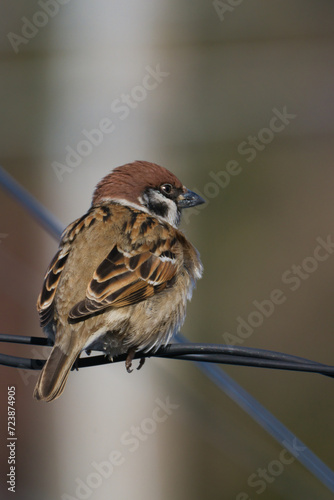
{"x":141,"y":265}
{"x":126,"y":284}
{"x":135,"y":268}
{"x":45,"y":302}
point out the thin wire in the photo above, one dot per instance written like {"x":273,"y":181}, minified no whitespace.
{"x":270,"y":423}
{"x":225,"y":383}
{"x":36,"y":209}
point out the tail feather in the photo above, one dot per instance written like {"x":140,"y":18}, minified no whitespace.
{"x":53,"y":377}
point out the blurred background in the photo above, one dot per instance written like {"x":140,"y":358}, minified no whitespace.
{"x":206,"y":89}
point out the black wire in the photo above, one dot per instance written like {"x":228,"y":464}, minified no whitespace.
{"x":23,"y":339}
{"x":310,"y":367}
{"x":188,"y":348}
{"x":212,"y":353}
{"x":24,"y":363}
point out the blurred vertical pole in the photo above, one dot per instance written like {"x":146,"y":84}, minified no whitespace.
{"x":24,"y":97}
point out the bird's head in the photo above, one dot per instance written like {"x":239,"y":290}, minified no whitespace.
{"x":148,"y":187}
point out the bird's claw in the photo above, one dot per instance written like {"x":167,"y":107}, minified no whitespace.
{"x":129,"y":359}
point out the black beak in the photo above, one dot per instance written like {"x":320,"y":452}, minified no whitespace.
{"x":189,"y":199}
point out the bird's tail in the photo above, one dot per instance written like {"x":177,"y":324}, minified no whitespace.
{"x":53,"y":377}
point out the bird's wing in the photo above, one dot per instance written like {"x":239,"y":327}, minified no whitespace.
{"x":141,"y":264}
{"x":45,"y":302}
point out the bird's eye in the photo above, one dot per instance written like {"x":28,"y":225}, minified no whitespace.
{"x":166,"y":189}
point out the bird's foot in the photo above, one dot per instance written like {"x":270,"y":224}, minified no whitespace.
{"x":76,"y":364}
{"x":141,"y":363}
{"x":129,"y":359}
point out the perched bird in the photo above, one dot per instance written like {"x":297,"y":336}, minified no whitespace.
{"x":122,"y":274}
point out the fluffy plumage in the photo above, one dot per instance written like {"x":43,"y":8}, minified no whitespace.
{"x":122,"y":275}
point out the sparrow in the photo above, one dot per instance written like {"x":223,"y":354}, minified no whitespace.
{"x":122,"y":275}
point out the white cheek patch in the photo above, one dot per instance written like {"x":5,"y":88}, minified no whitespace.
{"x":172,"y":215}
